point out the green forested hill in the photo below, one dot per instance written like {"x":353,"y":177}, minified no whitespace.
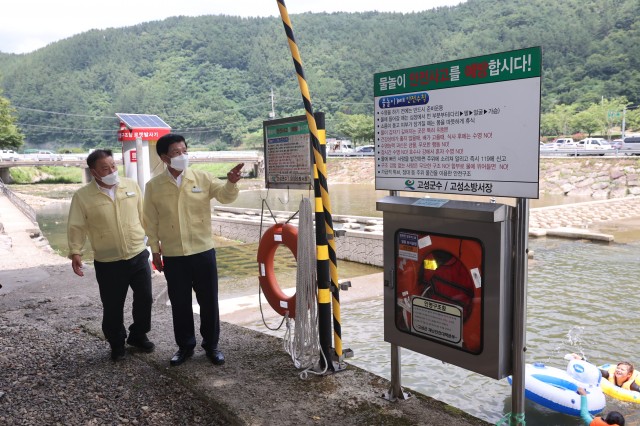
{"x":210,"y":77}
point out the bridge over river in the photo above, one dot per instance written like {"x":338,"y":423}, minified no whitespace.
{"x":253,"y":160}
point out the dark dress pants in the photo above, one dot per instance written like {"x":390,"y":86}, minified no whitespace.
{"x":114,"y":280}
{"x":197,"y":272}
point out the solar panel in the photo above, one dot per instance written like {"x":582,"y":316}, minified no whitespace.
{"x":134,"y":121}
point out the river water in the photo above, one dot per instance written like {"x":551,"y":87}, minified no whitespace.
{"x":360,"y":199}
{"x":573,"y":287}
{"x":581,"y":298}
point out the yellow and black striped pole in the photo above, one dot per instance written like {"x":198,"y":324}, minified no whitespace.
{"x":333,"y":260}
{"x":324,"y":225}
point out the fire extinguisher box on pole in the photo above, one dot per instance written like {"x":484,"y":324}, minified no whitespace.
{"x":447,"y":278}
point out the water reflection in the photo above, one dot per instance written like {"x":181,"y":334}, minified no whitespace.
{"x":346,"y":199}
{"x":52,"y":220}
{"x":360,"y":199}
{"x":237,"y":267}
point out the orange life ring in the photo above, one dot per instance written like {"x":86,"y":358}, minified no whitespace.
{"x":280,"y":233}
{"x":468,"y":294}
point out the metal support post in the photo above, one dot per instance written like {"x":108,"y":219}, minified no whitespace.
{"x":521,"y":241}
{"x":395,"y":392}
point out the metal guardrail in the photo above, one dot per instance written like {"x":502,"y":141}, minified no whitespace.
{"x":253,"y":157}
{"x":574,"y":152}
{"x":571,"y":152}
{"x":351,"y":154}
{"x":25,"y":208}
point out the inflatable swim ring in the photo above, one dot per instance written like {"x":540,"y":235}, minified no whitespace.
{"x":278,"y":234}
{"x":556,"y":389}
{"x":617,"y":392}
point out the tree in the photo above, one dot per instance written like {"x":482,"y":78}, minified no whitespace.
{"x":10,"y":135}
{"x":612,"y":111}
{"x":632,"y":118}
{"x":600,"y":117}
{"x":564,"y":114}
{"x":558,"y":121}
{"x":589,"y":120}
{"x":549,"y":124}
{"x":357,"y":127}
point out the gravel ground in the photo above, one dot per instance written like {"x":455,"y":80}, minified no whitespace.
{"x":55,"y":366}
{"x":57,"y":376}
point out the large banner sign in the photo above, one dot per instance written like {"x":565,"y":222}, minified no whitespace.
{"x":470,"y":126}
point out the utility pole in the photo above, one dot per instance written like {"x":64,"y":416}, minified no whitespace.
{"x":272,"y":114}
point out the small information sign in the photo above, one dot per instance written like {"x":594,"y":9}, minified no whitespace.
{"x":437,"y":320}
{"x":287,"y":153}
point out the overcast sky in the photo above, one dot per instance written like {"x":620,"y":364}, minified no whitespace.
{"x":27,"y":25}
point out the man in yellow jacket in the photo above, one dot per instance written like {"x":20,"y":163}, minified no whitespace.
{"x":177,"y":219}
{"x":108,"y":210}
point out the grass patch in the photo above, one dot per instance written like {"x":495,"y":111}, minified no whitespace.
{"x":46,"y":174}
{"x":21,"y":174}
{"x":61,"y":174}
{"x":219,"y":170}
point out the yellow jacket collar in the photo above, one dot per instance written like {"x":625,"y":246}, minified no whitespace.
{"x":187,"y":175}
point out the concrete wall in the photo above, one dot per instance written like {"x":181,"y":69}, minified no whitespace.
{"x":5,"y":175}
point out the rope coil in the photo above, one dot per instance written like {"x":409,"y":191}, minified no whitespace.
{"x":303,"y":343}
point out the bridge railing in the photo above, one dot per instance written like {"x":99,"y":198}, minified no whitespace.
{"x":25,"y":208}
{"x":574,"y":152}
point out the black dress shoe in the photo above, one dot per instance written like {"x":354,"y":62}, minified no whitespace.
{"x":180,"y":356}
{"x":215,"y":356}
{"x":117,"y":352}
{"x":141,"y":342}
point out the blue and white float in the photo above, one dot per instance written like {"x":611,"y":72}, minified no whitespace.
{"x":556,"y":389}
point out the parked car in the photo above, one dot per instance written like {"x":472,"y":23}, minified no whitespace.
{"x":617,"y":144}
{"x":551,"y":146}
{"x":339,"y":147}
{"x":631,"y":145}
{"x":9,"y":155}
{"x":43,"y":155}
{"x":366,"y":150}
{"x":593,"y":144}
{"x":564,"y":141}
{"x":560,"y":143}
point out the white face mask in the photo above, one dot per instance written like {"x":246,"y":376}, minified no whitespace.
{"x":181,"y":162}
{"x":111,"y":179}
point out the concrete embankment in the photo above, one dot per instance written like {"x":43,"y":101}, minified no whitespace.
{"x":597,"y":178}
{"x":589,"y":177}
{"x":600,"y":220}
{"x":55,"y":367}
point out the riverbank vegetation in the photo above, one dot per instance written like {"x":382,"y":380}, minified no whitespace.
{"x":211,"y":77}
{"x":46,"y":174}
{"x":10,"y":134}
{"x":59,"y":174}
